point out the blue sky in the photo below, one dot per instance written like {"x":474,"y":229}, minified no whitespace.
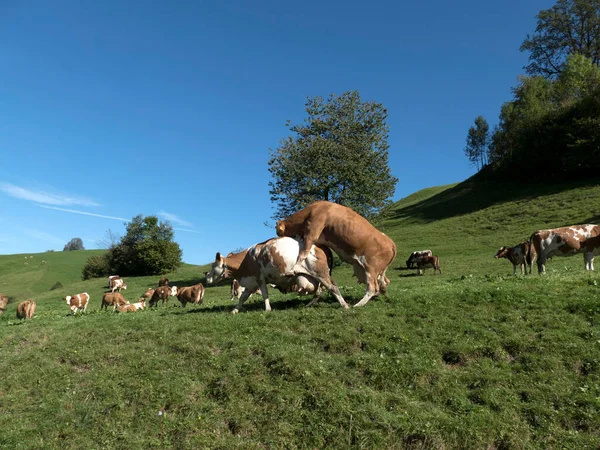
{"x":109,"y":109}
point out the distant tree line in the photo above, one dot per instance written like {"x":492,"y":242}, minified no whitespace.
{"x":146,"y":249}
{"x":551,"y":128}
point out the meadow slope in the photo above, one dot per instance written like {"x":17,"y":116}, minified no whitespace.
{"x":475,"y":358}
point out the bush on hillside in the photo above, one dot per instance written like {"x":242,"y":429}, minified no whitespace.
{"x":96,"y":266}
{"x":56,"y":285}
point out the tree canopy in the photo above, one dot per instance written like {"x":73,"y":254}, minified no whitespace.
{"x":146,"y":249}
{"x":339,"y":153}
{"x":74,"y":244}
{"x":569,"y":27}
{"x":477,"y":142}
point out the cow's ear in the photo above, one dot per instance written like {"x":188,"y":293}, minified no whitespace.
{"x":218,"y":256}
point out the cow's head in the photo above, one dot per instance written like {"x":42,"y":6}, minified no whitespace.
{"x":501,"y":253}
{"x":280,"y":228}
{"x":218,"y":270}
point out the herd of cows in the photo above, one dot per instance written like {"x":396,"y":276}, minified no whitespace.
{"x":300,"y":260}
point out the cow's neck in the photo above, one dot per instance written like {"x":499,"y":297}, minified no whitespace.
{"x":233,"y":262}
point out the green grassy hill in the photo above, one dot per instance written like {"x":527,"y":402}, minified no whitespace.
{"x":475,"y":358}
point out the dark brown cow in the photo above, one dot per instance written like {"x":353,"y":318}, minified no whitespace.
{"x":350,"y":235}
{"x":564,"y":241}
{"x":591,"y":248}
{"x":163,"y":293}
{"x":26,"y":309}
{"x":428,"y":261}
{"x":520,"y":255}
{"x":414,"y":256}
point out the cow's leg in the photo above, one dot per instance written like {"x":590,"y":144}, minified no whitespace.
{"x":371,"y":289}
{"x":541,"y":263}
{"x":241,"y":301}
{"x":264,"y":291}
{"x":320,"y":272}
{"x":522,"y":266}
{"x":314,"y":228}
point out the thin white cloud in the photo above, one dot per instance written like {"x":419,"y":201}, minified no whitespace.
{"x":44,"y":197}
{"x":84,"y":213}
{"x":186,"y":230}
{"x":175,"y":219}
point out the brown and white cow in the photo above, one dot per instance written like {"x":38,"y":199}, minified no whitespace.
{"x":271,"y":262}
{"x":163,"y":282}
{"x":350,"y":235}
{"x":591,"y":248}
{"x":133,"y":307}
{"x":163,"y":293}
{"x":521,"y":255}
{"x":428,"y":261}
{"x":117,"y":284}
{"x":414,"y":256}
{"x":78,"y":301}
{"x":26,"y":309}
{"x":564,"y":241}
{"x":110,"y":278}
{"x":190,"y":294}
{"x":3,"y":303}
{"x":113,"y":299}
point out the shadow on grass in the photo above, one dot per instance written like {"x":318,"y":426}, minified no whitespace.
{"x":478,"y":193}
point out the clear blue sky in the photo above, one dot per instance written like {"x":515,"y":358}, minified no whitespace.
{"x":109,"y":109}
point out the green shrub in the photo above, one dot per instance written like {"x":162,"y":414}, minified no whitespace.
{"x":96,"y":266}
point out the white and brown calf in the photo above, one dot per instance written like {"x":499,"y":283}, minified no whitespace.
{"x":110,"y":278}
{"x":414,"y":256}
{"x":133,"y":307}
{"x":78,"y":301}
{"x":117,"y":285}
{"x":520,"y":256}
{"x":190,"y":294}
{"x":428,"y":261}
{"x":148,"y":293}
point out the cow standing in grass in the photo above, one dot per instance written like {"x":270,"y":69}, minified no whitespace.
{"x":415,"y":256}
{"x":78,"y":301}
{"x":190,"y":294}
{"x":521,"y":255}
{"x":428,"y":261}
{"x":26,"y":309}
{"x":163,"y":293}
{"x":564,"y":241}
{"x":3,"y":303}
{"x":113,"y":299}
{"x":591,"y":248}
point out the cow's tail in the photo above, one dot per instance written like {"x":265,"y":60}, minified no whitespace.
{"x":531,"y":250}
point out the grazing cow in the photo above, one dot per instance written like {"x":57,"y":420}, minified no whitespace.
{"x":3,"y":303}
{"x":163,"y":282}
{"x":428,"y":261}
{"x":117,"y":285}
{"x":350,"y":235}
{"x":113,"y":299}
{"x":26,"y":309}
{"x":414,"y":256}
{"x":110,"y":278}
{"x":190,"y":294}
{"x":271,"y":262}
{"x":520,"y":255}
{"x":78,"y":301}
{"x":564,"y":241}
{"x":163,"y":293}
{"x":591,"y":248}
{"x":148,"y":294}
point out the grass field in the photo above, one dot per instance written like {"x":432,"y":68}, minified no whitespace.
{"x":474,"y":359}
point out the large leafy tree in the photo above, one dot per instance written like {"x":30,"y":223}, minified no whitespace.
{"x":339,"y":153}
{"x":569,"y":27}
{"x":73,"y":244}
{"x":146,"y":249}
{"x":477,"y":142}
